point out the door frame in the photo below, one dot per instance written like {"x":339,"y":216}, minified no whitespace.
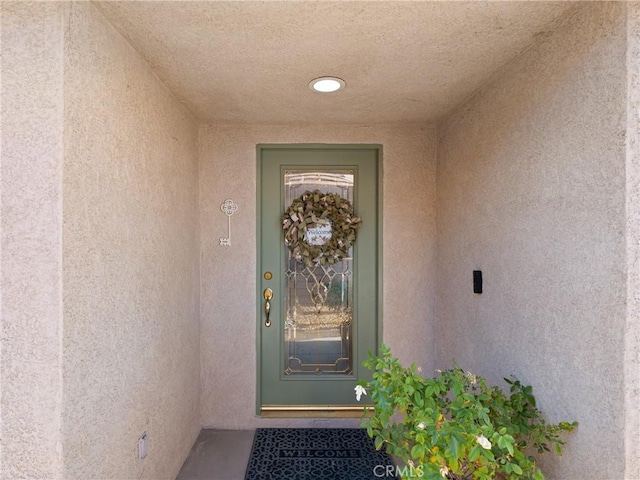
{"x":258,"y":286}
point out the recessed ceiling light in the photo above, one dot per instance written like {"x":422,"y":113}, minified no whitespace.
{"x":327,"y":84}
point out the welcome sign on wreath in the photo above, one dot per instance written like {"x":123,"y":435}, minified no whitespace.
{"x":320,"y":228}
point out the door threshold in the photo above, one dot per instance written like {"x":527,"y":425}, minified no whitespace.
{"x":312,"y":411}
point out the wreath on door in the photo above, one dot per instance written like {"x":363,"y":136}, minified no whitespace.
{"x":320,"y":228}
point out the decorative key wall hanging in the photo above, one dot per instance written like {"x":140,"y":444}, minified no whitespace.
{"x":229,"y":208}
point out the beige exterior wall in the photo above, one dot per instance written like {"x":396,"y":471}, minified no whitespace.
{"x":31,"y":240}
{"x":228,"y":315}
{"x":632,"y":330}
{"x":131,"y":268}
{"x":531,"y":190}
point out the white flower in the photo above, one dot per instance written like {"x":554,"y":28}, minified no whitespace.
{"x":359,"y":392}
{"x":420,"y":426}
{"x":484,"y":442}
{"x":444,"y":471}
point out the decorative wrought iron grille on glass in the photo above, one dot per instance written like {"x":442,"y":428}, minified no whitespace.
{"x":318,"y":328}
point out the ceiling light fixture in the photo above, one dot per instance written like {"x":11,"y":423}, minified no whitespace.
{"x":327,"y":84}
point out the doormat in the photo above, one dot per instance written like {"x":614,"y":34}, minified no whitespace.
{"x":317,"y":454}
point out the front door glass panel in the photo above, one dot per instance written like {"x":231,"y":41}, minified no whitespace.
{"x":318,"y":323}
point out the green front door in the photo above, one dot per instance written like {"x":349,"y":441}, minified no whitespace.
{"x":322,"y":319}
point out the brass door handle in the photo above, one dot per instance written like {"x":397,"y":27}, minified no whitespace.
{"x":268,"y":295}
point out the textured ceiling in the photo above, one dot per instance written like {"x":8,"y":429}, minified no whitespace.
{"x":403,"y":62}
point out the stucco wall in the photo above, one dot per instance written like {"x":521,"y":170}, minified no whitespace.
{"x":228,"y":279}
{"x":131,"y":268}
{"x":31,"y":246}
{"x":632,"y":331}
{"x":531,"y":190}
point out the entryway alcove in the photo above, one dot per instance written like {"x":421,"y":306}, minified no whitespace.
{"x":508,"y":134}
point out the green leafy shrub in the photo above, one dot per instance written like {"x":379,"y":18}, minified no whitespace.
{"x":456,"y":426}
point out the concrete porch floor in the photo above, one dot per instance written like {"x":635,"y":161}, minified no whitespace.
{"x":218,"y":455}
